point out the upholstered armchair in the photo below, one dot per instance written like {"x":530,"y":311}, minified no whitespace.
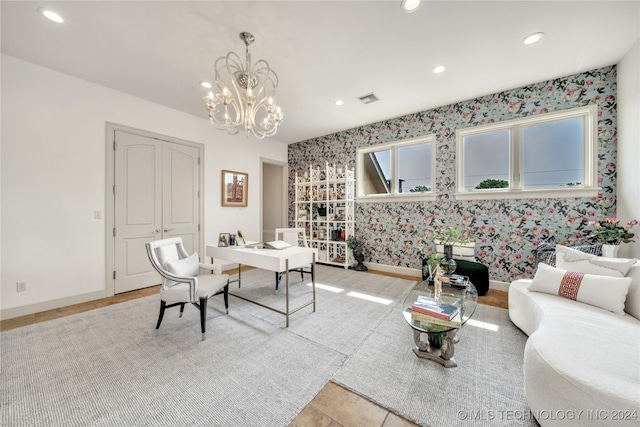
{"x":294,"y":237}
{"x":181,"y":282}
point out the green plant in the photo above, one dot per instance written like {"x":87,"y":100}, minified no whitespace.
{"x":610,"y":232}
{"x":358,"y":247}
{"x":492,"y":183}
{"x":420,"y":189}
{"x":448,"y":236}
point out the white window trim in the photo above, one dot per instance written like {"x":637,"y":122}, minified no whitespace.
{"x":394,"y":196}
{"x":589,"y":187}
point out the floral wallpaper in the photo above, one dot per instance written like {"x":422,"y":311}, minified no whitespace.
{"x":506,"y":231}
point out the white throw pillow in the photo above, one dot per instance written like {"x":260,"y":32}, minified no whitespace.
{"x":605,"y":292}
{"x":185,"y":267}
{"x":573,"y":260}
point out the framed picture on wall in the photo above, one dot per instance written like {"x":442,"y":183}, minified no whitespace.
{"x":235,"y":188}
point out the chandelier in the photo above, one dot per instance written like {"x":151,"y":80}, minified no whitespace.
{"x":244,"y":96}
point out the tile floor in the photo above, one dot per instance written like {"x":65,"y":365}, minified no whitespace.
{"x":333,"y":406}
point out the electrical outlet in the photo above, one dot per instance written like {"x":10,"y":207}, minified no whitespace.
{"x":97,"y":214}
{"x":21,"y":286}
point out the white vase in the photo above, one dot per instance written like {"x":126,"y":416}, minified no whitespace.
{"x":610,"y":251}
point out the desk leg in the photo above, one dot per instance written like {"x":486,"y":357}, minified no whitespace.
{"x":286,"y":265}
{"x":313,"y":280}
{"x":239,"y":275}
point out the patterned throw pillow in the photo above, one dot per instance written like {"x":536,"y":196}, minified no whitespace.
{"x":546,"y":252}
{"x":573,"y":260}
{"x":605,"y":292}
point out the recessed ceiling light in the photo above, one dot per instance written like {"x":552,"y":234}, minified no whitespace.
{"x":49,"y":14}
{"x":532,"y":38}
{"x":410,"y":5}
{"x":339,"y":102}
{"x":438,"y":69}
{"x":205,"y":85}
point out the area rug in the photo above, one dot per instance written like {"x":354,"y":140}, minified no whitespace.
{"x":105,"y":368}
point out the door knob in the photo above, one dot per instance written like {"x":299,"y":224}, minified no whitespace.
{"x":156,"y":230}
{"x":166,"y":230}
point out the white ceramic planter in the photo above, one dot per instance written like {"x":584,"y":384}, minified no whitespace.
{"x":610,"y":251}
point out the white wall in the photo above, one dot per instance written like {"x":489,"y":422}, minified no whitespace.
{"x":628,"y":201}
{"x":53,"y":178}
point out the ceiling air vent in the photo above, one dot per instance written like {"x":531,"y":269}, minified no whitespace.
{"x":368,"y":99}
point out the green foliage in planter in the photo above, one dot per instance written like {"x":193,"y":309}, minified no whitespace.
{"x":420,"y":189}
{"x":358,"y":247}
{"x":492,"y":183}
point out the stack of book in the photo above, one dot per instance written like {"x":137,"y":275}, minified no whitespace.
{"x":427,"y":313}
{"x":453,"y":280}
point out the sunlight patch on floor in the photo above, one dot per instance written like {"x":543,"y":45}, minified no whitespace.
{"x":370,"y":298}
{"x":483,"y":325}
{"x":327,"y":288}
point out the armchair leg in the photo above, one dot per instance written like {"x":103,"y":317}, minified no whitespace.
{"x":182,"y":308}
{"x":226,"y":297}
{"x":277,"y":281}
{"x":163,"y":305}
{"x":203,"y":315}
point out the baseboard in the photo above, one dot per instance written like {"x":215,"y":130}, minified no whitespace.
{"x":394,"y":269}
{"x":498,"y":285}
{"x":9,"y":313}
{"x":493,"y":284}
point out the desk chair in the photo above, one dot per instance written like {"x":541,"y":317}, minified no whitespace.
{"x":181,"y":283}
{"x":294,"y":237}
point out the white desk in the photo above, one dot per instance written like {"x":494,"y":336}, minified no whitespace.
{"x":273,"y":260}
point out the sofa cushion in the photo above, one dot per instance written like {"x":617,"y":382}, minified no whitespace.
{"x":605,"y":292}
{"x":632,"y":303}
{"x":574,"y":260}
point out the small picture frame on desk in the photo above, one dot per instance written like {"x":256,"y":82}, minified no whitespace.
{"x":224,"y":239}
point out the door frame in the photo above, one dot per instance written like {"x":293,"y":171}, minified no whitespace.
{"x":110,"y":130}
{"x":285,"y":193}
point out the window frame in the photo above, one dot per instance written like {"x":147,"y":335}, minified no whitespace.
{"x":588,"y":188}
{"x":394,"y":196}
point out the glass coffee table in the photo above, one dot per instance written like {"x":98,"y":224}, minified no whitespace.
{"x":437,"y":342}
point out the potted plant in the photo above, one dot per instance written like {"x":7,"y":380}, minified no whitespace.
{"x":360,"y":250}
{"x":451,"y":241}
{"x":611,"y":234}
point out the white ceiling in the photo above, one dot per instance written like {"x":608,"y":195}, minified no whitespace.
{"x":323,"y":50}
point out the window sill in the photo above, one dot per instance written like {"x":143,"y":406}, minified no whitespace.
{"x":399,"y":198}
{"x":555,"y":193}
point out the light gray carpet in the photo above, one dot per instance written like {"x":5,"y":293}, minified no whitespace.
{"x":104,"y":367}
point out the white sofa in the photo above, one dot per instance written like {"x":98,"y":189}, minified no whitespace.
{"x":581,"y":363}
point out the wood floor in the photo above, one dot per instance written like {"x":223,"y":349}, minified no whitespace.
{"x":333,"y":406}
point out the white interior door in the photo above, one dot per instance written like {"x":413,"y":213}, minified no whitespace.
{"x":156,"y":196}
{"x":180,"y":201}
{"x":138,"y":209}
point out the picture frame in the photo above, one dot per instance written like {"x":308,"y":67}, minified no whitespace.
{"x":223,"y":240}
{"x":340,"y":212}
{"x":235,"y":189}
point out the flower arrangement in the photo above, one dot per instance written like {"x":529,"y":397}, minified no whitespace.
{"x":611,"y":232}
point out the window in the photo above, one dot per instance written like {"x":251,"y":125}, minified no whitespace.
{"x":548,"y":155}
{"x":397,"y":170}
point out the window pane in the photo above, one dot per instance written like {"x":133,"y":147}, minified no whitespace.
{"x":552,"y":154}
{"x":486,"y":160}
{"x":414,"y":168}
{"x":377,"y":172}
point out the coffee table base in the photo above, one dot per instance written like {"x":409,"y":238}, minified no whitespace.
{"x":442,"y":355}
